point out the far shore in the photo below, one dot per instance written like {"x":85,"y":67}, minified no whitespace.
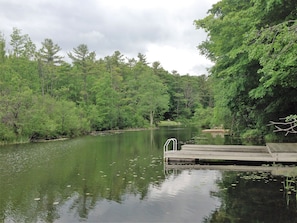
{"x":116,"y":131}
{"x":93,"y":133}
{"x":216,"y":130}
{"x":50,"y":140}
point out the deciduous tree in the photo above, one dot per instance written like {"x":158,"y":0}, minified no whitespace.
{"x":252,"y":44}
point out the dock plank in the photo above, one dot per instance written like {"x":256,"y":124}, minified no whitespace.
{"x":282,"y":147}
{"x":272,"y":152}
{"x":222,"y":156}
{"x":226,"y":148}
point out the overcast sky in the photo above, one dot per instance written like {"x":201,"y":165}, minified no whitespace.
{"x":162,"y":30}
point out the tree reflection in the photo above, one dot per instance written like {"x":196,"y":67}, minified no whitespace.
{"x":76,"y":177}
{"x":254,"y":197}
{"x":46,"y":182}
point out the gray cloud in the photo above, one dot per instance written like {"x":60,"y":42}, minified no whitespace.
{"x":107,"y":26}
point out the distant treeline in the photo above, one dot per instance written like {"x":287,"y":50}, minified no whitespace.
{"x":44,"y":97}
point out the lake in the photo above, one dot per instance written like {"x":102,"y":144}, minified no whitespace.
{"x":121,"y":178}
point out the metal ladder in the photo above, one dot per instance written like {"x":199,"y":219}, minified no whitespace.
{"x":167,"y":143}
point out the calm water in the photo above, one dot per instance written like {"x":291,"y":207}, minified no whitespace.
{"x":121,"y":178}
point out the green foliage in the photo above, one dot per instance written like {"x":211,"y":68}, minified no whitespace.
{"x":291,"y":118}
{"x":253,"y":45}
{"x":153,"y":96}
{"x":22,"y":46}
{"x":186,"y":93}
{"x":252,"y":134}
{"x":275,"y":49}
{"x":6,"y":133}
{"x":83,"y":60}
{"x":203,"y":117}
{"x":271,"y":137}
{"x":2,"y":48}
{"x":107,"y":101}
{"x":44,"y":97}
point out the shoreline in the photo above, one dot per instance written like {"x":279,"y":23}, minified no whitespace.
{"x":93,"y":133}
{"x":117,"y":131}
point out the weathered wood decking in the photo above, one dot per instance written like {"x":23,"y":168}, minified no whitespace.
{"x":272,"y":152}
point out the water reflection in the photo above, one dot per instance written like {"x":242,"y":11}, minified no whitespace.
{"x":44,"y":182}
{"x":121,"y":178}
{"x":254,"y":197}
{"x":180,"y":198}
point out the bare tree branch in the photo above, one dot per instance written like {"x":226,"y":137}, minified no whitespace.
{"x":289,"y":125}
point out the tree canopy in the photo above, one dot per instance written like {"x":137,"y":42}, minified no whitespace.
{"x":253,"y":45}
{"x":44,"y":96}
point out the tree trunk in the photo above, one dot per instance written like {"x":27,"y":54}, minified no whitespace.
{"x":151,"y":118}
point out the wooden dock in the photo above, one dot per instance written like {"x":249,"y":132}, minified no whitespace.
{"x":280,"y":170}
{"x":271,"y":153}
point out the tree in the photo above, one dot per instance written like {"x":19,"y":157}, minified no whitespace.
{"x":49,"y":52}
{"x":42,"y":96}
{"x":22,"y":58}
{"x":15,"y":102}
{"x":107,"y":104}
{"x":2,"y":48}
{"x":142,"y":59}
{"x":275,"y":48}
{"x":22,"y":46}
{"x":84,"y":61}
{"x":108,"y":89}
{"x":252,"y":45}
{"x":154,"y":98}
{"x":48,"y":59}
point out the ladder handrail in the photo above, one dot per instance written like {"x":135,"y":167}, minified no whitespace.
{"x":174,"y":145}
{"x":165,"y":147}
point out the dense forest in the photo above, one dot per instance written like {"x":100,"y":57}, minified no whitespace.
{"x":253,"y":45}
{"x":43,"y":96}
